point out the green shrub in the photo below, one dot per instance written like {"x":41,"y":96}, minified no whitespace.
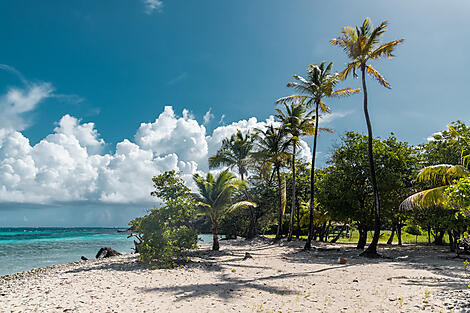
{"x":166,"y":231}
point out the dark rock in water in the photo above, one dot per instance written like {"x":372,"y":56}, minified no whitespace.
{"x":84,"y":258}
{"x":106,"y":252}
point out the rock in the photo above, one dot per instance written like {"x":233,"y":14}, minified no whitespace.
{"x":247,"y":256}
{"x":83,"y":258}
{"x":106,"y":252}
{"x":342,"y":260}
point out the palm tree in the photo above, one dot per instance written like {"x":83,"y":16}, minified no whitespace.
{"x":295,"y":121}
{"x":441,"y":175}
{"x":216,"y":195}
{"x":363,"y":44}
{"x":319,"y":83}
{"x":272,"y":145}
{"x":235,"y":152}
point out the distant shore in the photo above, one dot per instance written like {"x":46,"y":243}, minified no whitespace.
{"x":279,"y":278}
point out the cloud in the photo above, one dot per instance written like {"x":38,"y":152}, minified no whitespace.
{"x":19,"y":101}
{"x":69,"y":166}
{"x":329,"y":118}
{"x":152,"y":6}
{"x":208,"y":117}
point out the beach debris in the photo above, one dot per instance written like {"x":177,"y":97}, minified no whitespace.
{"x":247,"y":256}
{"x":106,"y":252}
{"x":84,"y":258}
{"x":342,"y":260}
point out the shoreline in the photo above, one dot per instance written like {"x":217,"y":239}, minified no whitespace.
{"x":278,"y":278}
{"x":38,"y":270}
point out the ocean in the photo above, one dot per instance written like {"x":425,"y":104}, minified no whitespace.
{"x":22,"y":249}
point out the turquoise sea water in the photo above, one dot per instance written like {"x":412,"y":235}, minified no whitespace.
{"x":23,"y":249}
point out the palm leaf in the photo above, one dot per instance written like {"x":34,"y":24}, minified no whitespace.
{"x":442,"y":174}
{"x":424,"y":199}
{"x":242,"y":205}
{"x":375,"y":74}
{"x":345,"y":92}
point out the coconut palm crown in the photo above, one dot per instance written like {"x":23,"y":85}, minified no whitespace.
{"x":235,"y":152}
{"x":363,"y":44}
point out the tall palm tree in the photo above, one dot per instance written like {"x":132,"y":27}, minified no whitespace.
{"x":362,"y":45}
{"x":297,"y":122}
{"x":272,"y":145}
{"x":319,"y":83}
{"x":215,"y":196}
{"x":235,"y":152}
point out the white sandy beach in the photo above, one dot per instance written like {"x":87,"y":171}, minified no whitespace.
{"x":279,"y":278}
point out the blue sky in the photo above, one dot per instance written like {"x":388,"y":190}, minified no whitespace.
{"x":108,"y":66}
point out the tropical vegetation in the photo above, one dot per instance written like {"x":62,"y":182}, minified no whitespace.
{"x":369,"y":184}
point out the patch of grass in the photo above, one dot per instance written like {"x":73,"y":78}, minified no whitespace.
{"x":384,"y":235}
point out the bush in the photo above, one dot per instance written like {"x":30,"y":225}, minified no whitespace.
{"x":166,"y":232}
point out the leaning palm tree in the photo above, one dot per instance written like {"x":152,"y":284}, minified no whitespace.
{"x":362,"y":45}
{"x":319,"y":83}
{"x":296,"y":122}
{"x":442,"y":176}
{"x":272,"y":144}
{"x":235,"y":152}
{"x":215,"y":196}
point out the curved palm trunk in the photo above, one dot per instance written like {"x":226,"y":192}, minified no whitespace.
{"x":371,"y":250}
{"x":279,"y":219}
{"x":292,"y":210}
{"x":308,"y":244}
{"x":215,"y":236}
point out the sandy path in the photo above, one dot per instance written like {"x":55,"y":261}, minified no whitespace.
{"x":277,"y":279}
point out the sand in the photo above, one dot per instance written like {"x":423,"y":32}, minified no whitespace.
{"x":279,"y":278}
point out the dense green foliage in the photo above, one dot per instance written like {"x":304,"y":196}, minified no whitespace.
{"x":166,"y":231}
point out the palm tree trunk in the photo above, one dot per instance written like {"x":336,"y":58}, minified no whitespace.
{"x":292,"y":210}
{"x":308,"y":244}
{"x":392,"y":235}
{"x":371,"y":250}
{"x":215,"y":236}
{"x":252,"y":227}
{"x":279,"y":220}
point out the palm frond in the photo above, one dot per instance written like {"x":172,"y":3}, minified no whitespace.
{"x":375,"y":74}
{"x":442,"y":173}
{"x":385,"y":50}
{"x":242,"y":205}
{"x":324,"y":108}
{"x":424,"y":199}
{"x":350,"y":69}
{"x":294,"y":99}
{"x":345,"y":92}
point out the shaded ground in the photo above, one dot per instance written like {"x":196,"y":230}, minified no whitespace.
{"x":279,"y":278}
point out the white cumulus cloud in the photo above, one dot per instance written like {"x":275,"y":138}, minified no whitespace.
{"x":69,"y":165}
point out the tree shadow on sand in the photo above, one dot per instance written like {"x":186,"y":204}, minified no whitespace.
{"x":434,"y":259}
